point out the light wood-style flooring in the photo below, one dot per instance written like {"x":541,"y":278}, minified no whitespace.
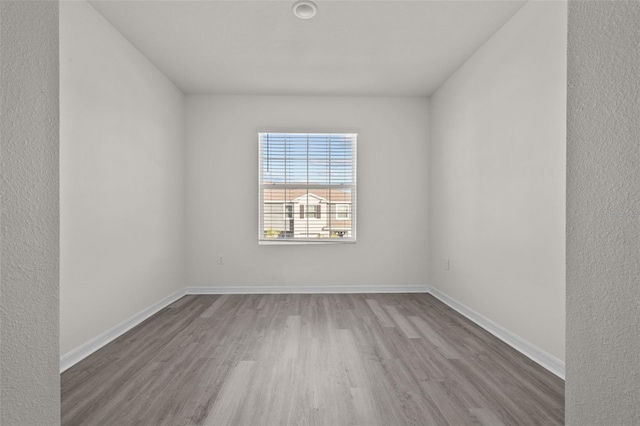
{"x":302,"y":359}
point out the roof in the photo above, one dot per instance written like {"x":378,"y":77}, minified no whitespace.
{"x":289,"y":195}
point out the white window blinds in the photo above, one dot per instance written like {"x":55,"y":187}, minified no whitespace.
{"x":307,"y":187}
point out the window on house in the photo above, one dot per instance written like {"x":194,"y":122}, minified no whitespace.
{"x":313,"y":212}
{"x":307,"y":187}
{"x":342,"y":211}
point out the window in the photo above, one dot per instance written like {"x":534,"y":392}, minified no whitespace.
{"x":307,"y":187}
{"x":313,"y":212}
{"x":342,"y":211}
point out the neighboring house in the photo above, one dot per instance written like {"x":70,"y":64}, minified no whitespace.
{"x":302,"y":213}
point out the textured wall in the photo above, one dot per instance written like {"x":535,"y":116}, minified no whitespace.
{"x":121,"y":179}
{"x":497,"y":163}
{"x":29,"y":202}
{"x":222,"y":192}
{"x":603,"y":214}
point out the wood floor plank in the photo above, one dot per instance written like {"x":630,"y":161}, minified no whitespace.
{"x":380,"y":314}
{"x":434,"y":338}
{"x":292,"y":336}
{"x":449,"y":405}
{"x":326,"y":359}
{"x":402,"y":322}
{"x":486,"y":417}
{"x":211,"y":310}
{"x":351,"y":359}
{"x":225,"y":408}
{"x":365,"y":406}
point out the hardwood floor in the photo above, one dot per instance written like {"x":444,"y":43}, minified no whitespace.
{"x":348,"y":359}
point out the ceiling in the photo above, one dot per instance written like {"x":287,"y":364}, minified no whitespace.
{"x":369,"y":48}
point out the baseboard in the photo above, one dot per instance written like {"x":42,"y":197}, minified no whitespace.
{"x":528,"y":349}
{"x":306,"y":289}
{"x":541,"y":357}
{"x":78,"y":354}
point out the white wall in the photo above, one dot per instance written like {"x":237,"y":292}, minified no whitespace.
{"x":29,"y":212}
{"x":121,"y":162}
{"x":498,"y":178}
{"x":222,"y":195}
{"x":603,"y":214}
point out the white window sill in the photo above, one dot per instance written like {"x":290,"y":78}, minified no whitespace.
{"x":282,"y":242}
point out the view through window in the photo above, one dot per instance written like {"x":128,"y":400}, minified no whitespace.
{"x":307,"y":187}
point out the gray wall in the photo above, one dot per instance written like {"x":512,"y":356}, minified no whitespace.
{"x":603,"y":214}
{"x":222,"y":191}
{"x":121,"y":179}
{"x":29,"y":202}
{"x":497,"y":178}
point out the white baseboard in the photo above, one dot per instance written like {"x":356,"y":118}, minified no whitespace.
{"x":81,"y":352}
{"x":541,"y":357}
{"x":306,"y":289}
{"x":528,"y":349}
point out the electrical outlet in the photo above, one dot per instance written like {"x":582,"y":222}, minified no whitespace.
{"x":220,"y":260}
{"x":446,"y":265}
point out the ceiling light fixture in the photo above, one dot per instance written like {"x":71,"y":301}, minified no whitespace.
{"x":305,"y":9}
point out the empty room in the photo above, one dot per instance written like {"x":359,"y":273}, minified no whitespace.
{"x":317,"y":213}
{"x":311,"y":206}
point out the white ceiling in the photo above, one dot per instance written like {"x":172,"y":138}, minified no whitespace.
{"x":371,"y":48}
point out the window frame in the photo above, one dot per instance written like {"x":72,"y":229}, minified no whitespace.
{"x":351,"y":187}
{"x":347,"y":213}
{"x":316,"y":215}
